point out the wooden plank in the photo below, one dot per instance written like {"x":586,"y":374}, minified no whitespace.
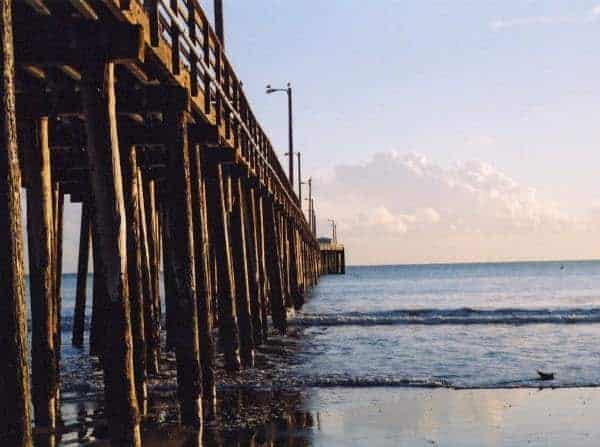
{"x":73,"y":42}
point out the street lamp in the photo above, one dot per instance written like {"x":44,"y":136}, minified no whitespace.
{"x":290,"y":153}
{"x":333,"y":231}
{"x":300,"y":182}
{"x":309,"y":199}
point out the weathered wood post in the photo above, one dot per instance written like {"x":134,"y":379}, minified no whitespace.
{"x":254,"y":274}
{"x":154,"y":259}
{"x":82,"y":273}
{"x":98,"y":92}
{"x":203,"y":279}
{"x":59,"y":204}
{"x":219,"y":237}
{"x":148,"y":298}
{"x":129,"y":169}
{"x":99,"y":295}
{"x":262,"y":263}
{"x":170,"y":304}
{"x":15,"y":417}
{"x":181,"y":257}
{"x":296,"y":296}
{"x":150,"y":232}
{"x":278,"y":312}
{"x":240,"y":265}
{"x":40,"y":230}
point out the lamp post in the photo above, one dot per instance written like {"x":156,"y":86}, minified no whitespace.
{"x":300,"y":179}
{"x":309,"y":199}
{"x":333,"y":232}
{"x":290,"y":153}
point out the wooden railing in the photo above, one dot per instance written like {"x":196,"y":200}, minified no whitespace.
{"x":196,"y":49}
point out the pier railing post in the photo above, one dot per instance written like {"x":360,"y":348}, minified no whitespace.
{"x":15,"y":417}
{"x":99,"y":102}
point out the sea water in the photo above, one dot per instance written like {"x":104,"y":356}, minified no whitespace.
{"x":459,"y":326}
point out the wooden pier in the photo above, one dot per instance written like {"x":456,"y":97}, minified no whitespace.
{"x":333,"y":257}
{"x":132,"y":108}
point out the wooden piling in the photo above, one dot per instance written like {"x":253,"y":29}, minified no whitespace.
{"x":99,"y":295}
{"x":40,"y":230}
{"x":254,"y":274}
{"x":262,"y":263}
{"x":276,"y":298}
{"x":57,"y":258}
{"x":15,"y":417}
{"x":99,"y":103}
{"x":170,"y":303}
{"x":154,"y":259}
{"x":203,"y":277}
{"x":181,"y":257}
{"x":82,"y":274}
{"x":129,"y":169}
{"x":225,"y":285}
{"x":240,"y":266}
{"x":152,"y":296}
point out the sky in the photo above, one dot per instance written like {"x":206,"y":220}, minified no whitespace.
{"x":434,"y":131}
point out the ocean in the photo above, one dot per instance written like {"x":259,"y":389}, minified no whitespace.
{"x":392,"y":354}
{"x":454,"y":325}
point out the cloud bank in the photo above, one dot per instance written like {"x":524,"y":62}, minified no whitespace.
{"x":398,"y":208}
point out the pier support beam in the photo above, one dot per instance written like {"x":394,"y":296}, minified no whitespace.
{"x":82,"y":274}
{"x":272,"y":242}
{"x":129,"y":168}
{"x":240,"y":266}
{"x":219,"y":237}
{"x":181,"y":257}
{"x":15,"y":416}
{"x":40,"y":230}
{"x":203,"y":278}
{"x":255,"y":276}
{"x":105,"y":171}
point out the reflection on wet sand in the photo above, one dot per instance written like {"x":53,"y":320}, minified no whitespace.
{"x":254,"y":408}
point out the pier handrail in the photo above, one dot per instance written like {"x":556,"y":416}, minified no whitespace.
{"x":195,"y":48}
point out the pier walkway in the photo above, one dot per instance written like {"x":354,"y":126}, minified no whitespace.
{"x":133,"y":109}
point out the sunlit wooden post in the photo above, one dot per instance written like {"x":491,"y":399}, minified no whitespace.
{"x":99,"y":104}
{"x":15,"y":417}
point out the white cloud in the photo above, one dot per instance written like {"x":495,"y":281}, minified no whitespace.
{"x":507,"y":23}
{"x":501,"y":24}
{"x":409,"y":209}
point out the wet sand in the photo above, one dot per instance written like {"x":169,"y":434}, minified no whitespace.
{"x":262,"y":407}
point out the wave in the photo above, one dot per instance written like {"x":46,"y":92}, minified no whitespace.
{"x":342,"y":381}
{"x":460,"y":316}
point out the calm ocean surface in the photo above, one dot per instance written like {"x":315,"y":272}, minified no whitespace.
{"x":464,"y":326}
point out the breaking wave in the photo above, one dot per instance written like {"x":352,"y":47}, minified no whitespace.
{"x":461,"y":316}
